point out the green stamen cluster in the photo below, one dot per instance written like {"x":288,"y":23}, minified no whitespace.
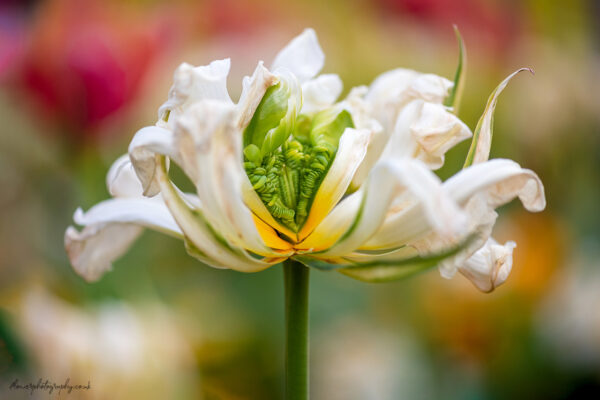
{"x":288,"y":178}
{"x":287,"y":156}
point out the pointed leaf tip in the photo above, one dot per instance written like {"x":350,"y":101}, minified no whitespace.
{"x":482,"y":136}
{"x":455,"y":95}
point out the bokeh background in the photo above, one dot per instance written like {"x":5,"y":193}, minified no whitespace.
{"x":78,"y":78}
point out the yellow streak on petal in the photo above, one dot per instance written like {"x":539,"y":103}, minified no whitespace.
{"x":351,"y":151}
{"x":258,"y":208}
{"x":269,"y":236}
{"x":321,"y":239}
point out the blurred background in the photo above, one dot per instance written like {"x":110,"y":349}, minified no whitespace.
{"x":78,"y":78}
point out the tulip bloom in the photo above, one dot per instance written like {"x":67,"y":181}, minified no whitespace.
{"x":289,"y":174}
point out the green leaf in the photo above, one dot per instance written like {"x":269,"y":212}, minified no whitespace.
{"x":482,"y":136}
{"x":455,"y":95}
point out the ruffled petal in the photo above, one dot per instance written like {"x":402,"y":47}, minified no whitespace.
{"x":393,"y":90}
{"x":253,"y":90}
{"x":425,"y":131}
{"x":191,"y":84}
{"x":490,"y":266}
{"x":121,"y":180}
{"x":480,"y":189}
{"x":351,"y":150}
{"x":302,"y":56}
{"x":204,"y":241}
{"x":110,"y":227}
{"x":501,"y":180}
{"x":386,"y":100}
{"x":320,"y":93}
{"x":390,"y":181}
{"x":207,"y":132}
{"x":146,"y":143}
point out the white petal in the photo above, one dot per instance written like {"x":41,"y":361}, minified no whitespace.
{"x":302,"y":56}
{"x":207,"y":131}
{"x":253,"y":90}
{"x":502,"y":180}
{"x":389,"y":181}
{"x":205,"y":238}
{"x":480,"y":222}
{"x":391,"y":91}
{"x":110,"y":227}
{"x":396,"y":100}
{"x":145,"y":145}
{"x":490,"y":266}
{"x":191,"y":84}
{"x":480,"y":189}
{"x":425,"y":131}
{"x":121,"y":180}
{"x":321,"y":92}
{"x":361,"y":115}
{"x":351,"y":150}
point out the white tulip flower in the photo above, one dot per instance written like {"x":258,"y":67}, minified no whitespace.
{"x":289,"y":173}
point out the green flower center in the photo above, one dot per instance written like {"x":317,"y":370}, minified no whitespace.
{"x":288,"y":156}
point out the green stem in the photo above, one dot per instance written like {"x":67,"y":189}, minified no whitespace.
{"x":296,"y":280}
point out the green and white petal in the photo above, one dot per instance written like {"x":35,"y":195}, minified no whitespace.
{"x":399,"y":264}
{"x":191,"y":84}
{"x":482,"y":137}
{"x":302,"y":56}
{"x":203,"y":241}
{"x":388,"y":182}
{"x":320,"y":93}
{"x":208,"y":131}
{"x":146,"y":143}
{"x":425,"y":131}
{"x":110,"y":227}
{"x":490,"y":266}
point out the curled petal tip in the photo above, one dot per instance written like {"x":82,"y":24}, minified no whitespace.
{"x":78,"y":216}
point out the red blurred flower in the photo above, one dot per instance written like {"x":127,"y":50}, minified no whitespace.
{"x":85,"y":63}
{"x":489,"y":25}
{"x":12,"y":43}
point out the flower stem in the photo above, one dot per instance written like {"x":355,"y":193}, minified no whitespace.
{"x":296,"y":280}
